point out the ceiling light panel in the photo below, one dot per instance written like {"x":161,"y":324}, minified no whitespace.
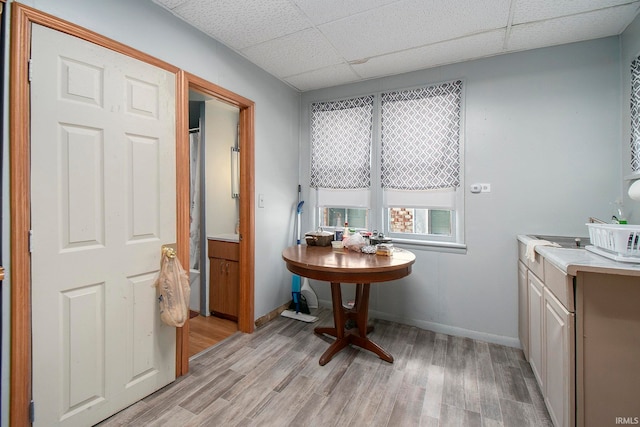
{"x":239,"y":24}
{"x":413,"y":23}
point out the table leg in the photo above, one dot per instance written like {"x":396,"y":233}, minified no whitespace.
{"x":359,"y":313}
{"x":338,"y":315}
{"x":362,"y":313}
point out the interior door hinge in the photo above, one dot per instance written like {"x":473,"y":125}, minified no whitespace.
{"x":30,"y":243}
{"x":30,"y":73}
{"x":32,"y":412}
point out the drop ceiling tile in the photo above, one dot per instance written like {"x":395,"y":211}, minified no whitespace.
{"x":537,"y":10}
{"x":569,"y":29}
{"x":324,"y":11}
{"x":170,"y":4}
{"x":293,"y":54}
{"x":413,"y":23}
{"x":472,"y":47}
{"x":239,"y":24}
{"x":331,"y":76}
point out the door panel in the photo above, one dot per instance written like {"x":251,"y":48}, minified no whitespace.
{"x":536,"y":343}
{"x":103,"y":203}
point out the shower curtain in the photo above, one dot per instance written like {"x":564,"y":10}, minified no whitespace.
{"x":194,"y":214}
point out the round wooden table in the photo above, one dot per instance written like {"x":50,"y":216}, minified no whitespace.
{"x":344,"y":266}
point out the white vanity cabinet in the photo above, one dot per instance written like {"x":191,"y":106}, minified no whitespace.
{"x":546,"y":325}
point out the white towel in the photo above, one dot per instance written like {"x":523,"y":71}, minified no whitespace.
{"x":531,"y":247}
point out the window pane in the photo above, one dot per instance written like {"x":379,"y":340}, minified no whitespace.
{"x":420,"y":221}
{"x":440,"y":222}
{"x":336,"y":217}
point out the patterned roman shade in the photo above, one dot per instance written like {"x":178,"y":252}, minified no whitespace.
{"x":635,"y":115}
{"x":421,"y":137}
{"x":341,"y":143}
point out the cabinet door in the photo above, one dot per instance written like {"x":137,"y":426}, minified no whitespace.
{"x":536,"y":349}
{"x":523,"y":309}
{"x":558,"y":349}
{"x":217,"y":279}
{"x":232,"y":299}
{"x":224,"y":287}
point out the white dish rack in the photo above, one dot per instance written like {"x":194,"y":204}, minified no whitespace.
{"x":620,"y":242}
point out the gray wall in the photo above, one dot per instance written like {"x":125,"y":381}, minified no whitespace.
{"x":543,"y":127}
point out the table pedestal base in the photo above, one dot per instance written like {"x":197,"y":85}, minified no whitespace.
{"x":360,"y":314}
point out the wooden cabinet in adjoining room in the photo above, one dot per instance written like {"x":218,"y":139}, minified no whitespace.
{"x":224,"y":278}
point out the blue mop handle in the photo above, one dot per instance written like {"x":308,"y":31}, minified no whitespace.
{"x":299,"y":211}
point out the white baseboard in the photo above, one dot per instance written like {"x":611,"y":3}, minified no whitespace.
{"x":440,"y":328}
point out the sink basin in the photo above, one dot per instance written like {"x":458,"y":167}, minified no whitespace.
{"x":570,"y":242}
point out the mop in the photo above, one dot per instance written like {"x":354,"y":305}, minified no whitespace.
{"x":299,"y":293}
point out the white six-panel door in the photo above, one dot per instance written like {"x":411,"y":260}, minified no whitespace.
{"x":103,"y":203}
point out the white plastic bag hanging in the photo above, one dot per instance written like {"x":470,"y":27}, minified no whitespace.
{"x":173,"y":290}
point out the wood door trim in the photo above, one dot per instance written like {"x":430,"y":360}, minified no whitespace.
{"x":247,"y":189}
{"x":183,"y":217}
{"x":19,"y":177}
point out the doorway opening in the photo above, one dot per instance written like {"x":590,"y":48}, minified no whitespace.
{"x":219,"y":128}
{"x":214,"y":220}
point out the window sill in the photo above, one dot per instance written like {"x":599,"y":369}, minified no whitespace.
{"x":447,"y":247}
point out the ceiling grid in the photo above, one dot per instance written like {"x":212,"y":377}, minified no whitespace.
{"x":311,"y":44}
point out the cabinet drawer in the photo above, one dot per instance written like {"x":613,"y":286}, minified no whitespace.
{"x":560,"y":285}
{"x":522,"y":252}
{"x":537,"y":266}
{"x":224,"y":250}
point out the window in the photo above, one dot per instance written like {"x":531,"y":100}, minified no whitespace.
{"x":341,"y":138}
{"x":337,"y":217}
{"x":413,"y":221}
{"x":414,"y":143}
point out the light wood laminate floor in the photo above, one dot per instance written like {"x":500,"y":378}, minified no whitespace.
{"x":272,"y":378}
{"x":206,"y":331}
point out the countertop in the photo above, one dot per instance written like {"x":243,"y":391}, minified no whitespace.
{"x":572,"y":261}
{"x":225,"y":237}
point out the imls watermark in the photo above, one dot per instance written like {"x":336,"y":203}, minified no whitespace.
{"x":628,"y":420}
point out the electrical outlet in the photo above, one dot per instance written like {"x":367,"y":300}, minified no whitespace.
{"x":485,"y":188}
